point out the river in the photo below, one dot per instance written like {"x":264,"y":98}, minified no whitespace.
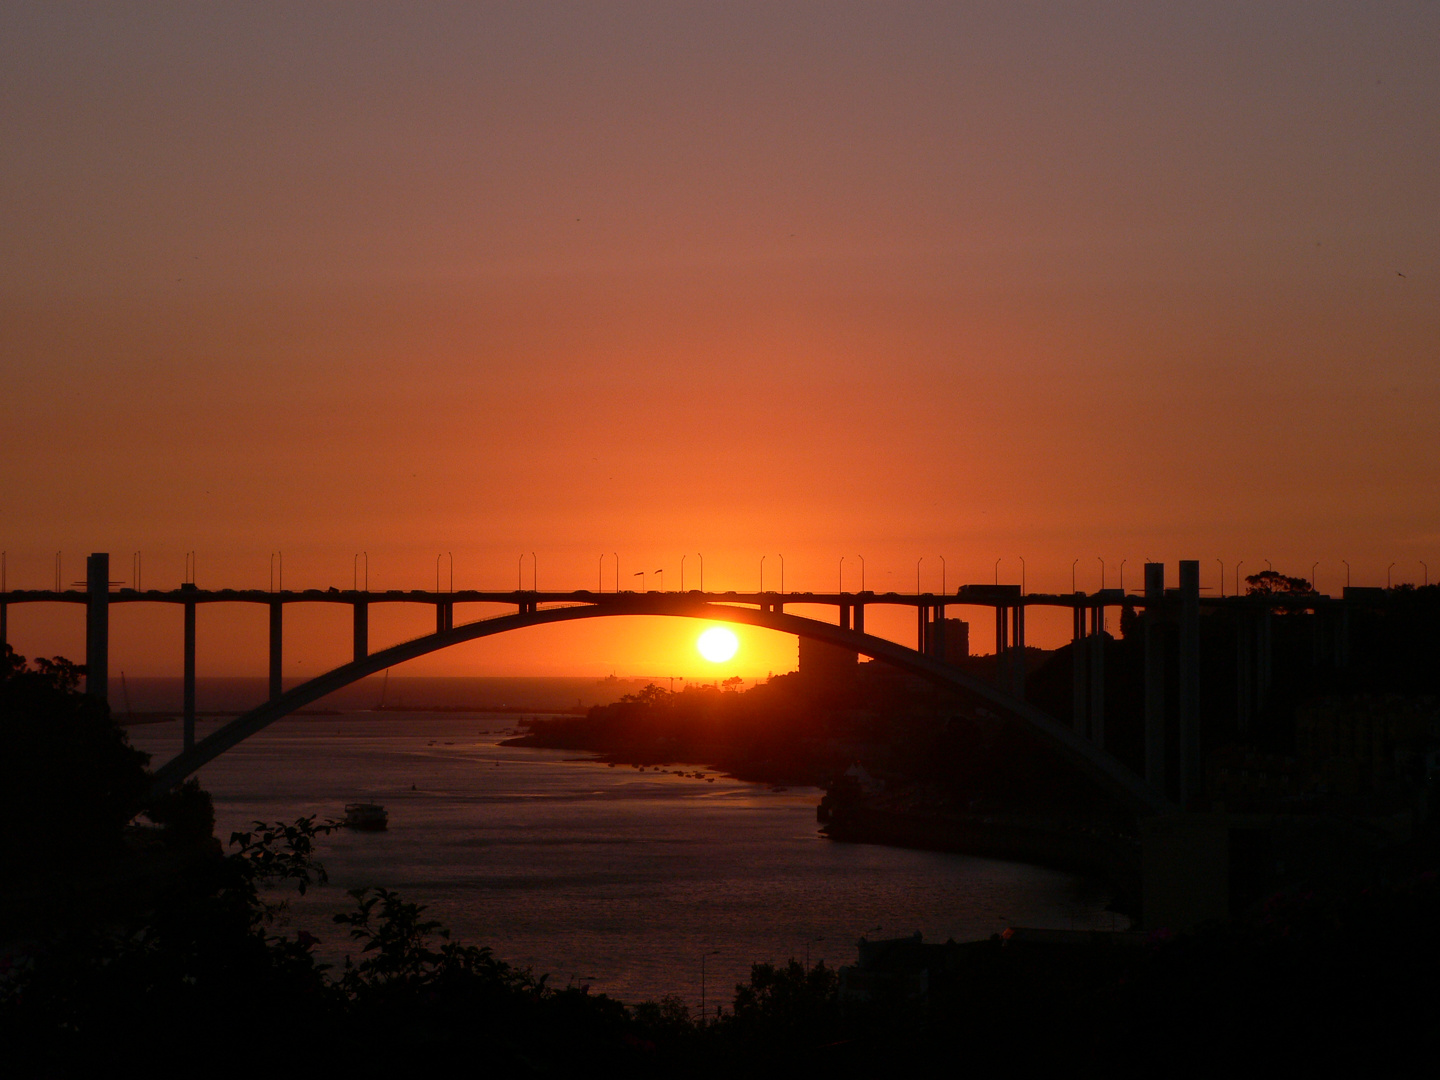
{"x":623,"y":878}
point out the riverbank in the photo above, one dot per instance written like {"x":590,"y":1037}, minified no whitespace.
{"x":1111,"y":857}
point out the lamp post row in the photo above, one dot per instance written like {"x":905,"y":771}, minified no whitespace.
{"x":360,"y":572}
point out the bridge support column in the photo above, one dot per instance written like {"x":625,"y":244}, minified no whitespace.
{"x":1189,"y":682}
{"x":1079,"y":664}
{"x":1264,"y":670}
{"x":1097,"y":674}
{"x":859,"y":618}
{"x":937,"y":632}
{"x":277,"y":623}
{"x":97,"y":625}
{"x":362,"y":630}
{"x":1018,"y":638}
{"x":922,"y":635}
{"x":188,"y":721}
{"x":1244,"y":672}
{"x":1154,"y":677}
{"x":844,"y":617}
{"x":1002,"y":643}
{"x":1342,"y":640}
{"x":445,"y":616}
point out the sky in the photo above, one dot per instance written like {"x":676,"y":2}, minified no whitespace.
{"x":964,"y":282}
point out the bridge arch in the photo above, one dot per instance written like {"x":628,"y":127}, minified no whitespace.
{"x":1101,"y":766}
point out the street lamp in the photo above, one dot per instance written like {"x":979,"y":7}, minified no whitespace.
{"x":600,"y":575}
{"x":917,"y":574}
{"x":997,"y":569}
{"x":1022,"y":573}
{"x":1073,"y":564}
{"x":862,"y":573}
{"x":702,"y":570}
{"x":942,"y":574}
{"x":1313,"y":586}
{"x":1101,"y":561}
{"x":662,"y":579}
{"x":641,"y":575}
{"x":1387,"y":574}
{"x":762,"y":573}
{"x":1122,"y":575}
{"x":682,"y":573}
{"x":1237,"y":576}
{"x":840,"y":583}
{"x":782,"y":573}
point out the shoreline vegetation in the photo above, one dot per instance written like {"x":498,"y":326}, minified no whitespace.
{"x":130,"y":936}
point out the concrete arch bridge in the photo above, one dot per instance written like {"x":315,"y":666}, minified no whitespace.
{"x":1082,"y":742}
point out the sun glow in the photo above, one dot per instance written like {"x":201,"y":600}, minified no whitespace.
{"x":717,"y":644}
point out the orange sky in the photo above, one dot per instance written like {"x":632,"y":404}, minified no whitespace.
{"x":967,"y":280}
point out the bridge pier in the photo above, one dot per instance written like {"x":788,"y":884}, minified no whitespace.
{"x":361,"y":630}
{"x":844,"y":617}
{"x":1017,"y":632}
{"x":1154,"y":676}
{"x":1096,"y":650}
{"x":859,"y":627}
{"x":1190,"y":763}
{"x":188,"y":721}
{"x":97,"y":625}
{"x":277,"y":617}
{"x":1078,"y":668}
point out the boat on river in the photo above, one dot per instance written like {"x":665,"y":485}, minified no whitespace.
{"x":366,"y":816}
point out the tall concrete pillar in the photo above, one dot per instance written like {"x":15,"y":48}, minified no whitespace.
{"x":189,"y":679}
{"x":1154,"y":676}
{"x":1017,"y":656}
{"x":937,"y":632}
{"x":1079,"y":666}
{"x":97,"y":625}
{"x":1190,"y":764}
{"x":1342,"y":640}
{"x":1244,"y":672}
{"x":922,"y":629}
{"x":844,"y":616}
{"x":1097,"y":675}
{"x":1264,"y":669}
{"x":860,"y":618}
{"x":276,"y":628}
{"x":362,"y":631}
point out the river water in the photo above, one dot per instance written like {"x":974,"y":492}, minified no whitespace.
{"x":624,"y":878}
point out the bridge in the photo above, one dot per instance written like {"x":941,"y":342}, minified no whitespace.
{"x":1082,"y":741}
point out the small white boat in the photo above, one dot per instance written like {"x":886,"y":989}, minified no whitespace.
{"x":366,"y":816}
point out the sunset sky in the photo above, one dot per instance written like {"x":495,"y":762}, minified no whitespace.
{"x":973,"y":281}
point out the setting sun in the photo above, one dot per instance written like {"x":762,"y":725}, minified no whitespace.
{"x":717,"y":644}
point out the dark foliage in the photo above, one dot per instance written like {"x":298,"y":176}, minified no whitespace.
{"x":69,"y":780}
